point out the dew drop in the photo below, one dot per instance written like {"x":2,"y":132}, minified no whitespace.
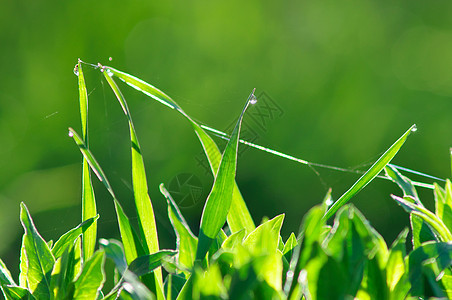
{"x":329,"y":202}
{"x":253,"y":99}
{"x":109,"y":72}
{"x":110,"y":58}
{"x":76,"y":70}
{"x":414,"y":129}
{"x":71,"y":134}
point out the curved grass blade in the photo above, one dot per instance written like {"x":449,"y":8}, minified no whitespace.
{"x":239,"y":216}
{"x":219,"y":200}
{"x":69,"y":237}
{"x":376,"y":168}
{"x":427,"y":216}
{"x":148,"y":263}
{"x":186,"y":241}
{"x":39,"y":257}
{"x":148,"y":228}
{"x":88,"y":201}
{"x":126,"y":231}
{"x":140,"y":186}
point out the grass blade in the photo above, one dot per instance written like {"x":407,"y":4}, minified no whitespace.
{"x":239,"y":216}
{"x":376,"y":168}
{"x":427,"y":216}
{"x":88,"y":201}
{"x":186,"y":241}
{"x":148,"y":228}
{"x":39,"y":257}
{"x":67,"y":239}
{"x":219,"y":200}
{"x":126,"y":231}
{"x":140,"y":187}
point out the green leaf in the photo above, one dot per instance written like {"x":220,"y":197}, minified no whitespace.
{"x":135,"y":289}
{"x":443,"y":203}
{"x":66,"y":268}
{"x":427,"y":216}
{"x":40,"y":260}
{"x":374,"y":170}
{"x":234,"y":239}
{"x":114,"y":251}
{"x":5,"y":275}
{"x":69,"y":237}
{"x":421,"y":232}
{"x":426,"y":265}
{"x":139,"y":181}
{"x":309,"y":235}
{"x":239,"y":216}
{"x":127,"y":235}
{"x":209,"y":284}
{"x":395,"y":267}
{"x":219,"y":200}
{"x":186,"y":241}
{"x":148,"y":263}
{"x":290,"y":244}
{"x":265,"y":238}
{"x":403,"y":182}
{"x":89,"y":283}
{"x":88,"y":200}
{"x":17,"y":293}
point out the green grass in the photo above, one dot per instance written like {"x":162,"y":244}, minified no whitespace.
{"x":348,"y":259}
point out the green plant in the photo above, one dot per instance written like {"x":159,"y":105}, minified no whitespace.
{"x":346,"y":260}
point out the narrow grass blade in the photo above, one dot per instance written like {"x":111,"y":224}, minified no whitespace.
{"x":17,"y":293}
{"x":5,"y":275}
{"x":186,"y":241}
{"x":140,"y":186}
{"x":239,"y":216}
{"x":39,"y":257}
{"x":90,"y":282}
{"x":396,"y":264}
{"x":69,"y":237}
{"x":403,"y":182}
{"x":146,"y":222}
{"x":219,"y":200}
{"x":427,"y":216}
{"x":148,"y":263}
{"x":88,"y":201}
{"x":376,"y":168}
{"x":127,"y":235}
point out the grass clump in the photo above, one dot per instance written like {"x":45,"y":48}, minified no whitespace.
{"x":346,"y":260}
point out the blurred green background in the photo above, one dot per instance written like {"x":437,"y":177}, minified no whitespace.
{"x":347,"y":79}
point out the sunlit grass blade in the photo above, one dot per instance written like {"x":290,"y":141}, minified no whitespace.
{"x":219,"y":200}
{"x":126,"y":231}
{"x":90,"y":281}
{"x":186,"y":241}
{"x":403,"y":182}
{"x":239,"y":216}
{"x":146,"y":222}
{"x":376,"y":168}
{"x":69,"y":237}
{"x":139,"y":181}
{"x":39,"y":258}
{"x":88,"y":201}
{"x":427,"y":216}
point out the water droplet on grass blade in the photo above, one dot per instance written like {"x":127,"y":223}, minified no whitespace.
{"x":110,"y":58}
{"x":71,"y":134}
{"x":76,"y":70}
{"x":109,"y":72}
{"x":414,"y":128}
{"x":253,"y":99}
